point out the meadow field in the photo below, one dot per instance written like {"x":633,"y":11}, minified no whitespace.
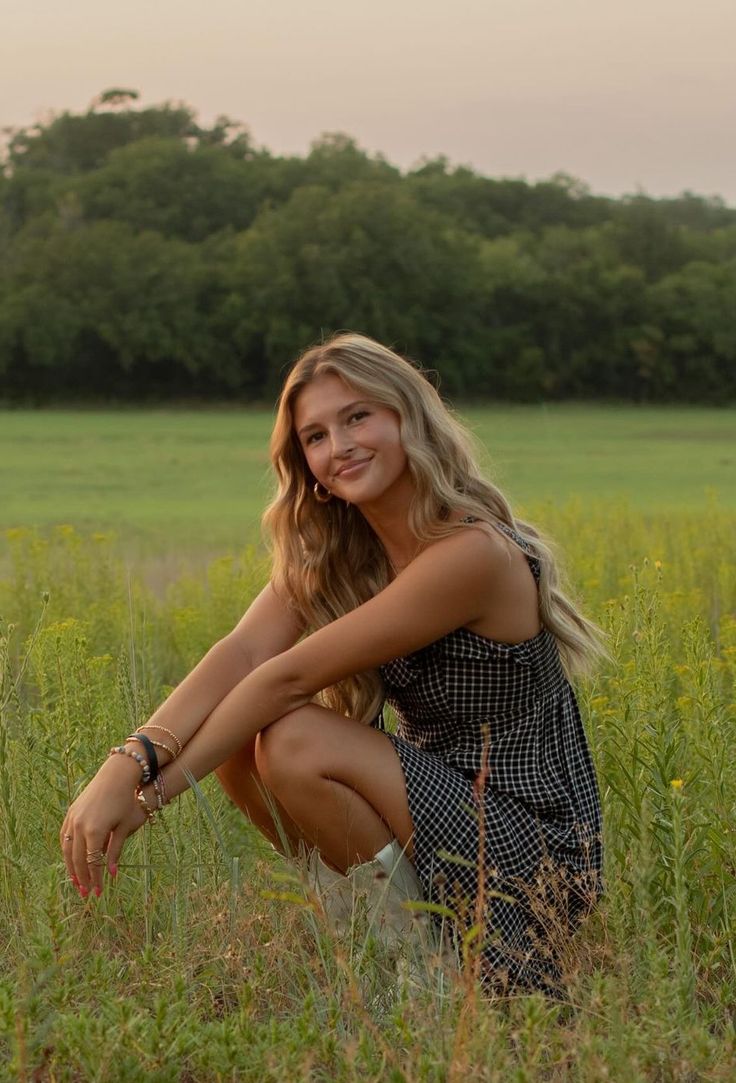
{"x":184,"y":481}
{"x":129,"y":545}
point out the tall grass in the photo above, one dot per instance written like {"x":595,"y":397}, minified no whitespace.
{"x":207,"y":958}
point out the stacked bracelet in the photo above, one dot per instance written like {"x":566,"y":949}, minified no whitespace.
{"x":146,"y":775}
{"x":156,"y":744}
{"x":175,"y":739}
{"x":151,"y":751}
{"x":150,"y":770}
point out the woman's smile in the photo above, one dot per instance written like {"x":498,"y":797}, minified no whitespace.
{"x":351,"y":444}
{"x":350,"y":470}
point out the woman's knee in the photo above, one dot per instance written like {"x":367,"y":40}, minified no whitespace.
{"x":286,"y":748}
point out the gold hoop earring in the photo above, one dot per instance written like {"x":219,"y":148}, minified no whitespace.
{"x":318,"y":496}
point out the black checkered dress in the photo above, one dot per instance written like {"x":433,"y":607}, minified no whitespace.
{"x":468,"y":706}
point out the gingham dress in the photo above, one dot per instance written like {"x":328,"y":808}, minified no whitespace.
{"x":469,"y":707}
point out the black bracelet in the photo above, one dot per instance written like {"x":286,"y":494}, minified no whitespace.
{"x":151,"y":752}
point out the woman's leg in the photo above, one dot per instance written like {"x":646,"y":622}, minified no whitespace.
{"x":340,"y":781}
{"x":241,"y":781}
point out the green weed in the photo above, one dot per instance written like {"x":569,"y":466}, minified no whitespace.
{"x":206,"y":959}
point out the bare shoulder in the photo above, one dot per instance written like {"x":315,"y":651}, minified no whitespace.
{"x":477,"y":549}
{"x":481,"y":563}
{"x":455,"y":582}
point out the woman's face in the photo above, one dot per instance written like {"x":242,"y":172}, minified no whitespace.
{"x":352,"y":445}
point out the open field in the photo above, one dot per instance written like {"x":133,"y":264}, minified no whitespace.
{"x":194,"y":481}
{"x":206,"y":959}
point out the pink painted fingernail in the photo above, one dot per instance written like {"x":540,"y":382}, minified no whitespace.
{"x":75,"y":881}
{"x":98,"y":891}
{"x":113,"y":870}
{"x":83,"y":891}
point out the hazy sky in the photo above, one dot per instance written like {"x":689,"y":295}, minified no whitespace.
{"x":621,"y":93}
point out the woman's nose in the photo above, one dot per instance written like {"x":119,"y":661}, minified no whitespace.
{"x":341,"y":444}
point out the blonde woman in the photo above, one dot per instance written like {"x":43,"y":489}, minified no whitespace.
{"x":399,"y":574}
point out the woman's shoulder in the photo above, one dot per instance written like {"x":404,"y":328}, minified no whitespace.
{"x":477,"y":547}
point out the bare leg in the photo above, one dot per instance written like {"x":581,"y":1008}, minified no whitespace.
{"x":341,"y":782}
{"x":241,"y":781}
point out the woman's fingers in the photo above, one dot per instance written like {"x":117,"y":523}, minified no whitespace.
{"x":86,"y":862}
{"x":115,"y":846}
{"x":87,"y":853}
{"x":94,"y":830}
{"x":66,"y":839}
{"x":84,"y":869}
{"x":79,"y":861}
{"x":96,"y":861}
{"x":86,"y":856}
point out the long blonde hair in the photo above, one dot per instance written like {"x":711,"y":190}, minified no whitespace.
{"x":326,"y":557}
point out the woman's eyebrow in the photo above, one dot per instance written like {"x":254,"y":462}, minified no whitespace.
{"x":342,"y":410}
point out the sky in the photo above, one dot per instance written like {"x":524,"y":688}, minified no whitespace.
{"x":627,"y":95}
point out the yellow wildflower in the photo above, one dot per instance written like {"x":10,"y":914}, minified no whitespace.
{"x":676,"y":783}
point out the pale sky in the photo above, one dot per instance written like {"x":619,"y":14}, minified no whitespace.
{"x":624,"y":94}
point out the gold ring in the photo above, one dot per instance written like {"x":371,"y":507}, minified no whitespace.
{"x":67,"y":838}
{"x":95,"y":853}
{"x":97,"y":860}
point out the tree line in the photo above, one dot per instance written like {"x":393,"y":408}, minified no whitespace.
{"x":147,"y":257}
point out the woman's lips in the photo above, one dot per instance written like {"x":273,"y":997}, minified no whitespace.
{"x":353,"y":469}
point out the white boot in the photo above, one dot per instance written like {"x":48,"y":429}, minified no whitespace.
{"x":399,"y":869}
{"x":374,"y":891}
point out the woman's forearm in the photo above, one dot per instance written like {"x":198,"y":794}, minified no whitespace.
{"x":222,"y":669}
{"x":258,"y":700}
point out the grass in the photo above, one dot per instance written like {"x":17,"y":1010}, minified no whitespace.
{"x":207,"y":960}
{"x":196,"y":481}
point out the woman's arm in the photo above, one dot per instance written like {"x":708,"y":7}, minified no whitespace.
{"x":106,"y":812}
{"x":267,"y":628}
{"x":448,"y":586}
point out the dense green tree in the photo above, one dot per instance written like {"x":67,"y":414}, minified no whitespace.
{"x":646,"y":238}
{"x":178,"y":190}
{"x":689,"y":350}
{"x":335,"y":159}
{"x":497,"y":207}
{"x":146,"y":255}
{"x":701,"y":213}
{"x":561,"y":314}
{"x":104,"y":309}
{"x":76,"y":143}
{"x":368,"y":259}
{"x":31,"y":193}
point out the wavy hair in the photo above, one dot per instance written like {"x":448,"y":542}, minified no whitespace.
{"x":326,"y":557}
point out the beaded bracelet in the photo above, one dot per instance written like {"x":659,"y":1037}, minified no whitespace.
{"x":150,"y":752}
{"x":152,"y":726}
{"x":150,"y":812}
{"x":160,"y":788}
{"x":146,"y":770}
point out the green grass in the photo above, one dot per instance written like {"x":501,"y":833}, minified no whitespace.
{"x":194,"y":481}
{"x":201,"y":962}
{"x":654,"y":458}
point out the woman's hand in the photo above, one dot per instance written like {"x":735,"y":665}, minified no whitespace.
{"x":101,"y":819}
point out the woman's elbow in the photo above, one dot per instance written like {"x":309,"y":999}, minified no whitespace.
{"x":290,"y":690}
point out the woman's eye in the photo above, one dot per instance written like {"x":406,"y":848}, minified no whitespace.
{"x":312,"y":437}
{"x":358,"y":414}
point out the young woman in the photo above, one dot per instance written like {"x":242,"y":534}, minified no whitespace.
{"x":399,"y":575}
